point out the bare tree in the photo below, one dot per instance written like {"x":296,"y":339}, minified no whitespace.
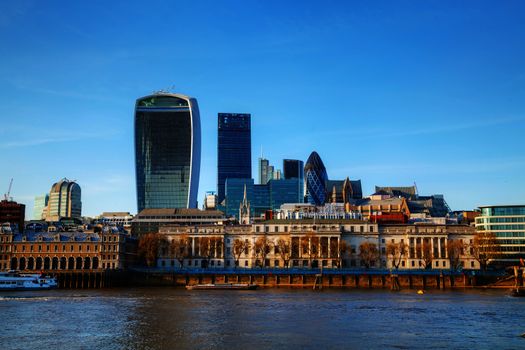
{"x":396,"y":251}
{"x":149,"y":246}
{"x":427,"y":256}
{"x":368,"y":253}
{"x":310,"y":246}
{"x":180,"y":248}
{"x":239,"y":247}
{"x":207,"y":249}
{"x":285,"y":250}
{"x":484,"y":248}
{"x":338,"y":250}
{"x":262,"y":248}
{"x":455,"y":249}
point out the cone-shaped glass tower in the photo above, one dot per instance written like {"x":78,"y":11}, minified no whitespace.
{"x":315,"y":178}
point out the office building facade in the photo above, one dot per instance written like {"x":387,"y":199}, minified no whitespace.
{"x":167,"y":151}
{"x":234,"y":149}
{"x":507,"y":223}
{"x":264,"y":164}
{"x":12,"y":215}
{"x":39,"y":210}
{"x":64,"y":201}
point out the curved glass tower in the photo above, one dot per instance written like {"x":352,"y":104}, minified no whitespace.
{"x":315,"y":178}
{"x":167,"y":151}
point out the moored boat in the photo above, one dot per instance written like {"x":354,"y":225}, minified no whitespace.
{"x":14,"y":280}
{"x":222,"y":286}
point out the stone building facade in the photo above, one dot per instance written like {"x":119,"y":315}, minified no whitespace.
{"x":59,"y":251}
{"x":316,"y":244}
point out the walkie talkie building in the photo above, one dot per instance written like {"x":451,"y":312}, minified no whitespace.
{"x":167,"y":151}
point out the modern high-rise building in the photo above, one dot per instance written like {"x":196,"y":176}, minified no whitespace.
{"x":261,"y":197}
{"x":315,"y":179}
{"x":39,"y":210}
{"x":293,"y":168}
{"x":263,"y":170}
{"x":167,"y":151}
{"x":234,"y":150}
{"x":64,"y":201}
{"x":507,"y":223}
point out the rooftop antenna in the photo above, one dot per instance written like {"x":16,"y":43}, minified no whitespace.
{"x":261,"y":153}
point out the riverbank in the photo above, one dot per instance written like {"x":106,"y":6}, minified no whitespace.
{"x":292,"y":278}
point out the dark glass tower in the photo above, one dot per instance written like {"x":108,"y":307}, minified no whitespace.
{"x":293,"y":169}
{"x":167,"y":151}
{"x":234,"y":149}
{"x":315,"y":179}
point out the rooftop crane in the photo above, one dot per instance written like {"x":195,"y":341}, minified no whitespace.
{"x":6,"y":196}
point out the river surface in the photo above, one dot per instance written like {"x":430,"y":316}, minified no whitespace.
{"x":173,"y":318}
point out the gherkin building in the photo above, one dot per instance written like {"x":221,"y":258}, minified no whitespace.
{"x":315,"y":178}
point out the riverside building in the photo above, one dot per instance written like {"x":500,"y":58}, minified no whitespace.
{"x":107,"y":248}
{"x":315,"y":243}
{"x":507,"y":223}
{"x":167,"y":151}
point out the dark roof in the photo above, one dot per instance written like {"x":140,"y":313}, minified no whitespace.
{"x":406,"y":192}
{"x":50,"y":236}
{"x":180,"y":212}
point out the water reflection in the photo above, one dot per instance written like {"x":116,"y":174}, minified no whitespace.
{"x":166,"y":318}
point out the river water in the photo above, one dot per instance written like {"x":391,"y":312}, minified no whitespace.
{"x":173,"y":318}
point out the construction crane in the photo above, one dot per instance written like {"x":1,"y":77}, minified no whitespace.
{"x":6,"y":196}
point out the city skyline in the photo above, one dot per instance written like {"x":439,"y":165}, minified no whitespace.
{"x":378,"y":100}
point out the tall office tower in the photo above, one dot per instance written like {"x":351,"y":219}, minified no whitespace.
{"x":167,"y":151}
{"x":234,"y":150}
{"x":64,"y":201}
{"x":39,"y":210}
{"x":263,"y":171}
{"x":315,"y":179}
{"x":293,"y":168}
{"x":270,"y":175}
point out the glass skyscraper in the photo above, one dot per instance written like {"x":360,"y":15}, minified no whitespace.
{"x":507,"y":223}
{"x":293,"y":168}
{"x":261,"y":197}
{"x":315,"y":179}
{"x":234,"y":149}
{"x":167,"y":151}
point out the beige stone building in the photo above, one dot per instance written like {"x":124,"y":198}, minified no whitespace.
{"x":312,"y":243}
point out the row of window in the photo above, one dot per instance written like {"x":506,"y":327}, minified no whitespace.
{"x":313,"y":228}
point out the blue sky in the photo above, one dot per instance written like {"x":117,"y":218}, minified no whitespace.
{"x":387,"y":92}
